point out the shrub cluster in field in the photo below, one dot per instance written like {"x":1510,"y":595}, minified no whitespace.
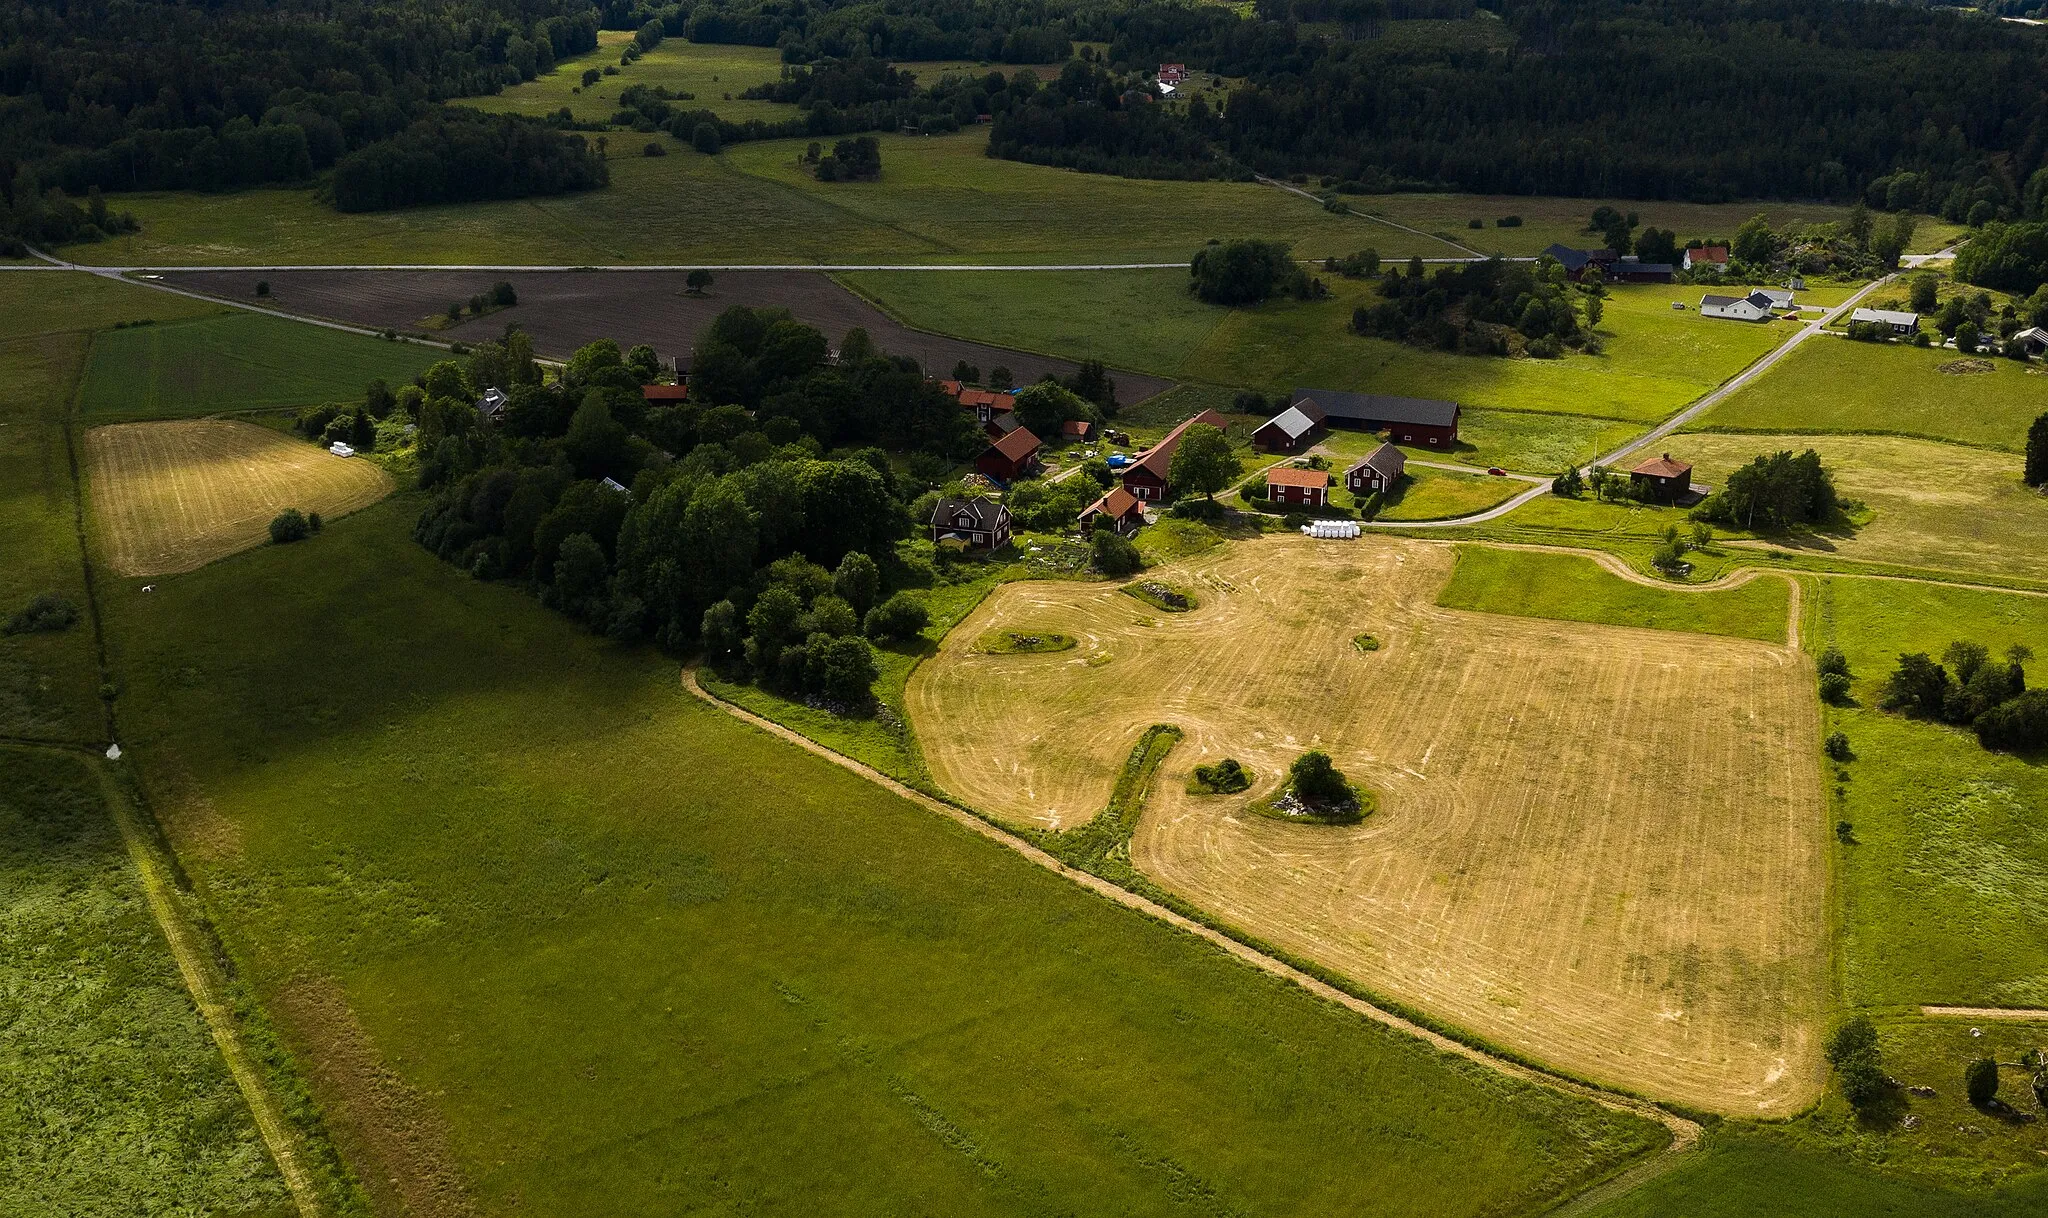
{"x":46,"y":613}
{"x":1967,"y":687}
{"x":293,"y":525}
{"x":1225,"y":777}
{"x":1316,"y":790}
{"x":1486,"y":308}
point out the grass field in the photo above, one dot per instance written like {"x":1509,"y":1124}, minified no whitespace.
{"x":116,"y":1101}
{"x":940,"y":200}
{"x":49,"y":682}
{"x":1830,"y":385}
{"x":1748,"y":1173}
{"x":553,"y":929}
{"x":1512,"y":439}
{"x":239,"y":361}
{"x":1533,"y":873}
{"x":1574,"y":588}
{"x":712,"y":71}
{"x":1437,"y":494}
{"x":170,"y":497}
{"x":1936,"y":506}
{"x":1945,"y":894}
{"x":1546,"y":220}
{"x":1656,"y":360}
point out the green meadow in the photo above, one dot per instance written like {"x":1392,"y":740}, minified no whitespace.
{"x":1574,"y":588}
{"x":632,"y":955}
{"x":1834,"y":385}
{"x":1547,"y":221}
{"x":940,"y":200}
{"x":239,"y":361}
{"x":49,"y":683}
{"x":116,"y":1101}
{"x":1512,"y":439}
{"x":1945,"y":891}
{"x":1438,"y":494}
{"x":712,"y":72}
{"x":1933,"y":507}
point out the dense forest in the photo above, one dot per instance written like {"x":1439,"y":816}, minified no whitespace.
{"x":1706,"y":100}
{"x":134,"y":95}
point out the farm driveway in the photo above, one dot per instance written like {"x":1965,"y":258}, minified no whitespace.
{"x":563,"y":310}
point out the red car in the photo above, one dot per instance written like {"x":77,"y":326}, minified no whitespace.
{"x":1498,"y":472}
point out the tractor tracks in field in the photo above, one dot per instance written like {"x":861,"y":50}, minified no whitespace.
{"x":1686,"y":1133}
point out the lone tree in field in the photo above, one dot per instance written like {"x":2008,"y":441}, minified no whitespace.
{"x":2037,"y":453}
{"x":1852,"y":1051}
{"x":288,"y":526}
{"x":1203,"y":462}
{"x":1980,"y":1081}
{"x":697,"y":281}
{"x":1314,"y":779}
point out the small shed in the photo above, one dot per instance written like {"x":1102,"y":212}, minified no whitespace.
{"x":615,"y":486}
{"x":341,"y":450}
{"x":1010,"y":457}
{"x":1118,"y":509}
{"x":1293,"y":485}
{"x":1077,"y":429}
{"x":1662,"y":479}
{"x":1378,"y":472}
{"x":492,"y":404}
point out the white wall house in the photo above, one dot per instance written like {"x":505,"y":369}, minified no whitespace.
{"x":1753,"y":307}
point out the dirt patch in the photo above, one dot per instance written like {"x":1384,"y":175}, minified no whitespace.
{"x":1604,"y":847}
{"x":563,"y":310}
{"x":390,"y":1133}
{"x":1965,"y":367}
{"x":173,"y":496}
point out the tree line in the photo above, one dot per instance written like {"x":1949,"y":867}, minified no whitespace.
{"x":1906,"y":109}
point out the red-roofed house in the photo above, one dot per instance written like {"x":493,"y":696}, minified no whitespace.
{"x":1077,"y":429}
{"x":664,"y":395}
{"x":1010,"y":457}
{"x":1119,"y":509}
{"x":1709,"y":257}
{"x":1662,"y":479}
{"x":1308,"y":487}
{"x":1146,"y":477}
{"x":986,"y":404}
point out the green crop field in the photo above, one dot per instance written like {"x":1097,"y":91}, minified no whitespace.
{"x":1573,"y":588}
{"x":1934,"y":506}
{"x":241,"y":361}
{"x":1830,"y":385}
{"x":940,"y":200}
{"x":712,"y":72}
{"x":116,"y":1101}
{"x":1512,"y":439}
{"x":619,"y":952}
{"x":1549,"y":220}
{"x":1656,"y":360}
{"x":49,"y":682}
{"x":1945,"y":893}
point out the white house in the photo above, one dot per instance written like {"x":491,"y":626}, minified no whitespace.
{"x":1778,"y":298}
{"x":341,"y":450}
{"x":2033,"y":340}
{"x":1753,"y":307}
{"x":1893,"y":319}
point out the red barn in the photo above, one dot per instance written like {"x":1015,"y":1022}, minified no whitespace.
{"x":1378,"y":472}
{"x":1011,"y":457}
{"x":1145,"y":478}
{"x":1306,"y":487}
{"x":1286,"y":432}
{"x":1405,"y":420}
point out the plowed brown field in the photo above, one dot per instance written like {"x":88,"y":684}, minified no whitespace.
{"x":171,"y":497}
{"x":1601,"y":847}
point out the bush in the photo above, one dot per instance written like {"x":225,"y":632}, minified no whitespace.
{"x":263,"y":287}
{"x":2017,"y":725}
{"x":1113,"y":554}
{"x":45,"y":614}
{"x":1508,"y":222}
{"x":1475,"y":223}
{"x":902,"y":616}
{"x":1836,"y":746}
{"x":1834,"y":687}
{"x":313,"y":522}
{"x":1852,"y":1051}
{"x":653,"y":148}
{"x":288,"y":526}
{"x":1980,"y":1081}
{"x":1223,"y":778}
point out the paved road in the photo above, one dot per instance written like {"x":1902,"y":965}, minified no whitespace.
{"x":1700,"y":406}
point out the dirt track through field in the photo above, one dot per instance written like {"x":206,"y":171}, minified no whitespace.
{"x":174,"y":496}
{"x":1601,"y":847}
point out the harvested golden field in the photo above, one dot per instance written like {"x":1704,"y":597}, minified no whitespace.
{"x":171,"y":497}
{"x":1602,"y":847}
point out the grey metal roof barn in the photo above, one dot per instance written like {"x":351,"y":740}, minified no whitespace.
{"x":1380,"y":407}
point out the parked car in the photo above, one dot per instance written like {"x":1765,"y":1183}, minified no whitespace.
{"x":1498,"y":472}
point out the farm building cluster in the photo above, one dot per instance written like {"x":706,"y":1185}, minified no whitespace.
{"x":1144,"y":478}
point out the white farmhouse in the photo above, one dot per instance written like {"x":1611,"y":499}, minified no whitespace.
{"x":1891,"y":319}
{"x":1754,"y":307}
